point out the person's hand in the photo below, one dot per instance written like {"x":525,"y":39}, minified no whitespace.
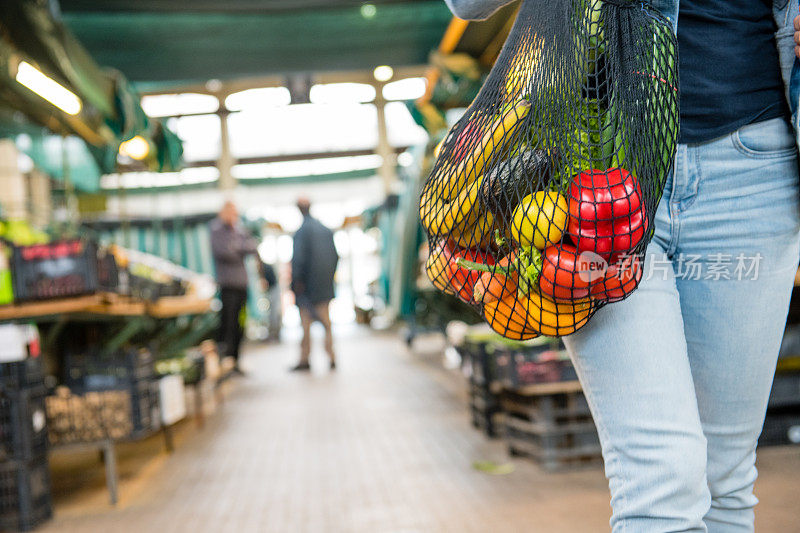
{"x":797,"y":36}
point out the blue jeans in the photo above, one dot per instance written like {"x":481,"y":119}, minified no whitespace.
{"x":678,"y":375}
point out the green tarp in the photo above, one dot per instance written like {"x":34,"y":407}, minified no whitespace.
{"x":170,"y":46}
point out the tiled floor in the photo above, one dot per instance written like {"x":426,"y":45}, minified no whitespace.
{"x":383,"y":444}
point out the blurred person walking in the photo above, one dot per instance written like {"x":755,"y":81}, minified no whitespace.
{"x":313,"y":265}
{"x":273,"y":291}
{"x":230,"y":244}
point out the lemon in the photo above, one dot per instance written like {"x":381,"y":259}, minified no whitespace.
{"x":540,"y":220}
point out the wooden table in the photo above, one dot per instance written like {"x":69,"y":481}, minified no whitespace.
{"x":172,"y":306}
{"x":46,"y":308}
{"x":108,"y":304}
{"x":557,"y":387}
{"x":126,"y":317}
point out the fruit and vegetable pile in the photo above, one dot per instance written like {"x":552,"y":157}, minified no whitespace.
{"x":540,"y":204}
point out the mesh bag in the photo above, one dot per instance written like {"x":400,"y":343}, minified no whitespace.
{"x":541,"y":201}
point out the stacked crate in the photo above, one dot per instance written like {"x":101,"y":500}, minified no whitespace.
{"x":552,"y":424}
{"x":89,"y":417}
{"x":54,"y":270}
{"x":539,"y":361}
{"x":484,"y":401}
{"x":25,"y":499}
{"x":782,"y":422}
{"x":125,"y":379}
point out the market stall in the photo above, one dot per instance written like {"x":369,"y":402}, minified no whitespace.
{"x":111,"y":333}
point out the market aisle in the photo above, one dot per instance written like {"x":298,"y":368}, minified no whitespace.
{"x":384,"y":444}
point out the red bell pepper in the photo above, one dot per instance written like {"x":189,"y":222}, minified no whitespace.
{"x":606,"y":214}
{"x":463,"y":280}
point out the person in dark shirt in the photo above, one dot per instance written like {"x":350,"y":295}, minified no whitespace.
{"x":230,"y":244}
{"x":678,"y":375}
{"x":725,"y":85}
{"x":314,"y":261}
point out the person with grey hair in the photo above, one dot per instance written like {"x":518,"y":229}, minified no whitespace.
{"x":313,"y":266}
{"x":230,"y":244}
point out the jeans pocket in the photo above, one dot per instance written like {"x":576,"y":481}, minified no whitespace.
{"x":765,"y":140}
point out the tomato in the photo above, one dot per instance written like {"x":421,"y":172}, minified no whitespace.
{"x":621,"y":279}
{"x":540,"y":219}
{"x":561,"y":276}
{"x":463,"y":280}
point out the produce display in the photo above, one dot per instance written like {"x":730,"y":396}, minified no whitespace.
{"x":540,"y":204}
{"x":14,"y":232}
{"x":88,"y":417}
{"x":54,"y":270}
{"x":6,"y":286}
{"x":73,"y":267}
{"x":21,"y":233}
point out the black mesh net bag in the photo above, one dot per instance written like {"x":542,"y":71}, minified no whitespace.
{"x":541,"y":201}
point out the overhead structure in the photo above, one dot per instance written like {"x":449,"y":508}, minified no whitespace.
{"x":160,"y":42}
{"x":47,"y":76}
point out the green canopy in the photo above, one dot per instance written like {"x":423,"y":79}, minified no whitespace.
{"x":160,"y":43}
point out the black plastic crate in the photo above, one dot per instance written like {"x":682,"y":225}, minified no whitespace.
{"x":23,"y":424}
{"x":89,"y":417}
{"x":785,"y":390}
{"x":555,"y":447}
{"x":485,"y":410}
{"x":93,"y":416}
{"x":56,"y":270}
{"x":145,"y":406}
{"x":23,"y":374}
{"x":173,"y":288}
{"x":143,"y":288}
{"x":91,"y":371}
{"x":25,"y":494}
{"x":547,"y":411}
{"x":781,"y":427}
{"x":572,"y":435}
{"x":513,"y":364}
{"x":483,"y":369}
{"x":108,"y":273}
{"x":528,"y":367}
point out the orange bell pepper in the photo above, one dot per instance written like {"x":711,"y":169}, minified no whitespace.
{"x":524,"y":317}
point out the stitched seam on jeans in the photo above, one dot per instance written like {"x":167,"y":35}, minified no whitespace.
{"x":673,"y":224}
{"x":691,"y":197}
